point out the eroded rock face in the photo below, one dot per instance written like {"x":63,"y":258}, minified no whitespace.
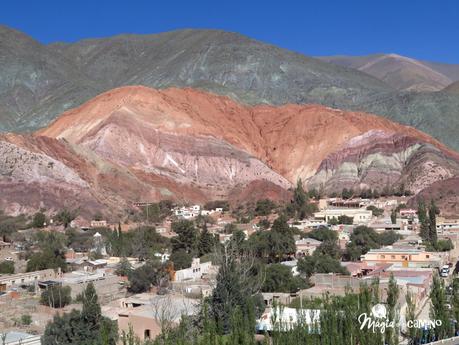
{"x":20,"y":164}
{"x":201,"y":160}
{"x":293,"y":140}
{"x":39,"y":172}
{"x":377,"y":159}
{"x":140,"y":144}
{"x":444,"y":192}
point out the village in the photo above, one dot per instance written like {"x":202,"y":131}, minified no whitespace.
{"x":337,"y":230}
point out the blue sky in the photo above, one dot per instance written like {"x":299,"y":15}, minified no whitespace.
{"x":421,"y":29}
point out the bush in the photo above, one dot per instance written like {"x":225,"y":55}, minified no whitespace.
{"x":46,"y":259}
{"x":56,"y":296}
{"x":7,"y":267}
{"x":341,"y":220}
{"x":375,"y":210}
{"x":39,"y":220}
{"x":181,"y":259}
{"x":264,"y":224}
{"x":264,"y":207}
{"x":212,"y":205}
{"x":323,"y":234}
{"x":441,"y":246}
{"x":26,"y":320}
{"x":142,"y":278}
{"x":279,"y":278}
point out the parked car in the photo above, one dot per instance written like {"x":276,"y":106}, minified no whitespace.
{"x":444,"y":271}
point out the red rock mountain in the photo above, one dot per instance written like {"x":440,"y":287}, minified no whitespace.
{"x":136,"y":143}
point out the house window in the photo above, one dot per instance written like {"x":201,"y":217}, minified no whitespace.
{"x":383,"y":256}
{"x":427,"y":256}
{"x":392,"y":256}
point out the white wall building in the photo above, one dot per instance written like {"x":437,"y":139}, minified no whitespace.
{"x":359,"y":215}
{"x":195,"y":272}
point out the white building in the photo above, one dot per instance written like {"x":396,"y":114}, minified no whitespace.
{"x":447,"y":224}
{"x":187,"y":212}
{"x":359,"y":215}
{"x":309,"y":224}
{"x":11,"y":280}
{"x":195,"y":272}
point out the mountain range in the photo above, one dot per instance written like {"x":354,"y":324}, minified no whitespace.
{"x":38,"y":82}
{"x":135,"y":143}
{"x":400,"y":72}
{"x":197,"y":115}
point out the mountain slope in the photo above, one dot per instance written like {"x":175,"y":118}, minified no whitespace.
{"x":224,"y":63}
{"x":135,"y":144}
{"x":35,"y":83}
{"x":452,"y":88}
{"x":401,"y":72}
{"x":141,"y":127}
{"x":251,"y":70}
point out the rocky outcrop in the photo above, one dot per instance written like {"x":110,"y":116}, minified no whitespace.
{"x":140,"y":144}
{"x":208,"y":140}
{"x":444,"y":192}
{"x":377,"y":159}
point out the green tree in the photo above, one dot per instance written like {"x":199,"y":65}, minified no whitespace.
{"x":85,"y":327}
{"x":279,"y":278}
{"x":413,"y":332}
{"x":392,"y":334}
{"x":423,"y":221}
{"x":364,"y":238}
{"x":442,"y":246}
{"x":51,"y":254}
{"x":236,"y":289}
{"x":6,"y":267}
{"x":142,"y":278}
{"x":438,"y":309}
{"x":393,"y":217}
{"x":323,"y":234}
{"x":347,"y":193}
{"x":7,"y":227}
{"x":375,"y":210}
{"x":146,"y":241}
{"x":39,"y":220}
{"x":124,"y":268}
{"x":229,"y":228}
{"x":433,"y":210}
{"x":455,"y":303}
{"x":264,"y":224}
{"x":301,"y":205}
{"x":26,"y":320}
{"x":329,"y":248}
{"x":281,"y":239}
{"x":320,"y":263}
{"x":56,"y":296}
{"x":66,"y":216}
{"x":299,"y":195}
{"x":264,"y":207}
{"x":181,"y":259}
{"x":207,"y":242}
{"x":187,"y":236}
